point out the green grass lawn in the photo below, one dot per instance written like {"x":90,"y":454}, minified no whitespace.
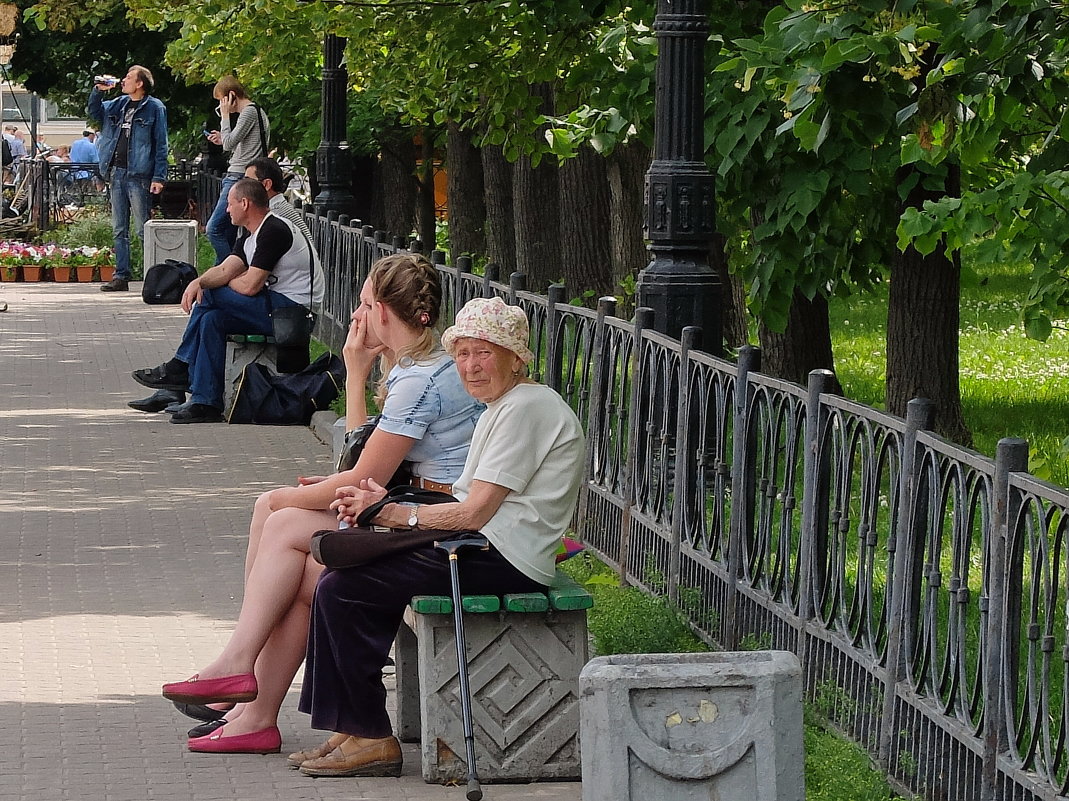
{"x":1011,"y":386}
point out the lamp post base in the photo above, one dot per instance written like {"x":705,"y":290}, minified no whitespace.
{"x":683,"y":290}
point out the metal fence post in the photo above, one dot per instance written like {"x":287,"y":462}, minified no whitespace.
{"x":691,"y":339}
{"x":554,"y":337}
{"x":901,"y":582}
{"x":742,"y":467}
{"x":812,"y":498}
{"x":1011,"y":456}
{"x":490,"y":275}
{"x":643,"y":320}
{"x":597,"y":407}
{"x":517,"y":284}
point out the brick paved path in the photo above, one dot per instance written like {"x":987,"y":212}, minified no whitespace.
{"x":122,"y":541}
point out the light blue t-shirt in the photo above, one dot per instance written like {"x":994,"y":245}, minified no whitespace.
{"x":427,"y":402}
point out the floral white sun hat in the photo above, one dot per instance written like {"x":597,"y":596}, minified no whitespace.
{"x":492,"y":320}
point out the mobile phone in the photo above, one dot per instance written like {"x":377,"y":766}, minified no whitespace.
{"x":206,"y":132}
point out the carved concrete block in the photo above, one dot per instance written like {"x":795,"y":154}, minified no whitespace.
{"x":170,"y":239}
{"x":240,"y":351}
{"x":693,"y":726}
{"x":524,"y":678}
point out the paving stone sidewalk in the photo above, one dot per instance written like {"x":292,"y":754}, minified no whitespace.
{"x":123,"y":538}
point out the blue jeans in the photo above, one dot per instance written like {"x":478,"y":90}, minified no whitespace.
{"x":221,"y":311}
{"x":128,"y":193}
{"x":220,"y":231}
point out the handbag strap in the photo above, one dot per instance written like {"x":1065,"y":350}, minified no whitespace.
{"x":311,"y":276}
{"x":260,"y":125}
{"x":406,"y":494}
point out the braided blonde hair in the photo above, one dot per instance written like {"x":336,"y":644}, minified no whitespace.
{"x":408,"y":283}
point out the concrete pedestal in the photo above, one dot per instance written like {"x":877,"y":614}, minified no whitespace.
{"x":524,"y":670}
{"x":693,"y":726}
{"x":170,"y":239}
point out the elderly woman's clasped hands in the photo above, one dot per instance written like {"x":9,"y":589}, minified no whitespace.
{"x":353,"y":500}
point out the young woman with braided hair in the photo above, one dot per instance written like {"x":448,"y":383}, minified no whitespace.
{"x":427,"y":420}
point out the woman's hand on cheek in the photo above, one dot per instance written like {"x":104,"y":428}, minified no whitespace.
{"x":359,"y":357}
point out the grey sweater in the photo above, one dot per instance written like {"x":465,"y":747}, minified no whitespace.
{"x":243,"y":140}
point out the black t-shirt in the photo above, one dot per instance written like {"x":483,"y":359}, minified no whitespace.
{"x":122,"y":144}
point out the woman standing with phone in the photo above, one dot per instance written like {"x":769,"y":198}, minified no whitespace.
{"x":244,"y":133}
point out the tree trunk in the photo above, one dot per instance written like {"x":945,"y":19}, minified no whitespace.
{"x":535,"y":203}
{"x":394,"y":203}
{"x":585,"y":226}
{"x":804,"y":345}
{"x":627,"y":178}
{"x":426,"y":217}
{"x":467,"y":207}
{"x":733,"y":295}
{"x":500,"y":221}
{"x":922,"y":324}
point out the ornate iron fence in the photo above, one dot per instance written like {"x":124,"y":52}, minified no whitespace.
{"x":922,"y":585}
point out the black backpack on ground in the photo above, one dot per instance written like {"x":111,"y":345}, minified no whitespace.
{"x":268,"y":398}
{"x":165,"y":282}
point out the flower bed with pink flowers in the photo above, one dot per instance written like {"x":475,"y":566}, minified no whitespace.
{"x":20,"y":261}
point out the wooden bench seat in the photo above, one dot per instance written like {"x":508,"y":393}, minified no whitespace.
{"x":525,"y":652}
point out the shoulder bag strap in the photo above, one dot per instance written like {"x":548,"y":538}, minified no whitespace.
{"x":260,"y":125}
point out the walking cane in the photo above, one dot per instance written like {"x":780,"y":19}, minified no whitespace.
{"x":451,"y":547}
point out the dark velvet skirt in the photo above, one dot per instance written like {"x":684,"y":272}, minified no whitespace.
{"x":355,"y":616}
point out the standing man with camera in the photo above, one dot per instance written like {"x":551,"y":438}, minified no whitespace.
{"x":133,"y":157}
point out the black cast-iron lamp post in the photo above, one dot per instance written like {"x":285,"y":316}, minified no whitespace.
{"x":334,"y":161}
{"x":678,"y":283}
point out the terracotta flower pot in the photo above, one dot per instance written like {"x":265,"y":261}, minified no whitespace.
{"x":32,"y":274}
{"x":61,"y":275}
{"x":107,"y":273}
{"x":9,"y":274}
{"x":84,"y":273}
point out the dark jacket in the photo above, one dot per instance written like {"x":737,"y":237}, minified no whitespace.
{"x":147,"y":156}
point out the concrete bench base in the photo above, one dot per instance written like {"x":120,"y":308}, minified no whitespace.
{"x":243,"y":349}
{"x":524,"y":675}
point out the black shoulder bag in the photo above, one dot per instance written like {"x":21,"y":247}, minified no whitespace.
{"x":353,"y":445}
{"x":365,"y":542}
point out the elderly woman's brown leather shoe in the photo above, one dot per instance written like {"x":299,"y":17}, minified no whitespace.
{"x":358,"y":756}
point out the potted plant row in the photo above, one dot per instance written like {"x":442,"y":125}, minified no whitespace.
{"x":20,"y":261}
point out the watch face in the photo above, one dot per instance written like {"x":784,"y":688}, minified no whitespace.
{"x":413,"y":517}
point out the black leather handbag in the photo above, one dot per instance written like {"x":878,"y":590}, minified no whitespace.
{"x":365,"y":542}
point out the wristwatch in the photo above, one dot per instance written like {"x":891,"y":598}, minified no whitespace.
{"x":413,"y":517}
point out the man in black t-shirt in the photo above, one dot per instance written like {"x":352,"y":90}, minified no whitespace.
{"x":269,"y":268}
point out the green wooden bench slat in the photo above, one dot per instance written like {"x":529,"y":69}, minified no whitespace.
{"x":566,"y":595}
{"x":432,"y":604}
{"x":526,"y":602}
{"x":481,"y":603}
{"x":443,"y":604}
{"x":255,"y":339}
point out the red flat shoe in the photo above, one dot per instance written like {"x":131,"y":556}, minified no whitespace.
{"x":239,"y":689}
{"x":265,"y":741}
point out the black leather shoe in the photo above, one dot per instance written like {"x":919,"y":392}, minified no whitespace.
{"x":157,"y":401}
{"x":200,"y":712}
{"x":116,"y":285}
{"x":198,"y":413}
{"x":205,"y":729}
{"x":162,"y":378}
{"x":173,"y":408}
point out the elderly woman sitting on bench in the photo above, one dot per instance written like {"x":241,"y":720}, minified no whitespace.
{"x":519,"y":487}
